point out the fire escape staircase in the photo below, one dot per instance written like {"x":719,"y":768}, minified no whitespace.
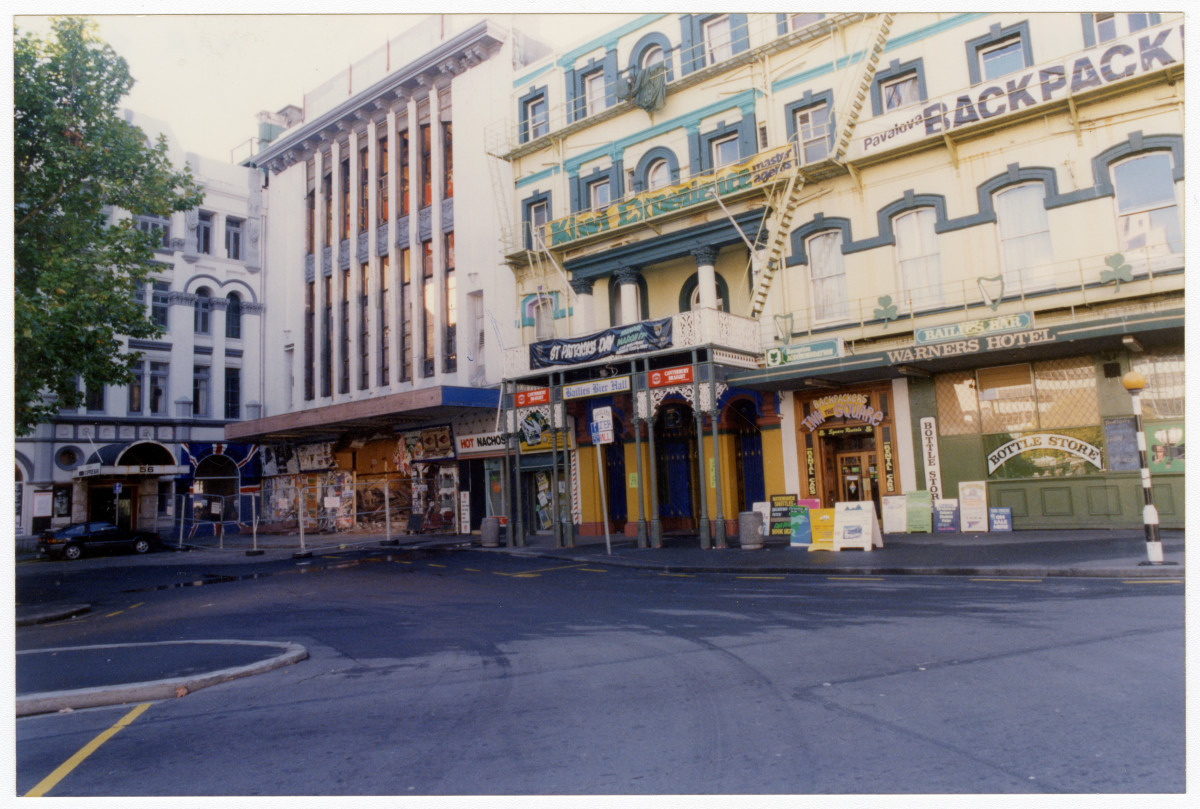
{"x":790,"y":198}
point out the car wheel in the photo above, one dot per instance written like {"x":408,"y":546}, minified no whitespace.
{"x":141,"y":545}
{"x":72,"y":552}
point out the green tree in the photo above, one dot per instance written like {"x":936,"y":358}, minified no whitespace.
{"x":76,"y":162}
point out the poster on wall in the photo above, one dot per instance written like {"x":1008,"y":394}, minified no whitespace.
{"x":945,"y":516}
{"x":315,"y":457}
{"x":855,"y":526}
{"x":1120,"y":437}
{"x":1068,"y":452}
{"x":1000,"y":518}
{"x":972,"y":505}
{"x":1165,"y":442}
{"x":919,"y":512}
{"x":423,"y":446}
{"x":821,"y":526}
{"x":895,"y":514}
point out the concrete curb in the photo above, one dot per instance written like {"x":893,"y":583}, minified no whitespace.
{"x":76,"y":699}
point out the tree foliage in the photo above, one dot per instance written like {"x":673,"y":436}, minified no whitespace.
{"x":76,"y":161}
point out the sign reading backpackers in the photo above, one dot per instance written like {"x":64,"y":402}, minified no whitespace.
{"x":763,"y":168}
{"x":649,"y":335}
{"x":1127,"y":59}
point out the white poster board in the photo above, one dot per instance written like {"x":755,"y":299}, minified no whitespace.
{"x":972,"y":505}
{"x":895,"y":514}
{"x":932,"y":456}
{"x":855,"y":526}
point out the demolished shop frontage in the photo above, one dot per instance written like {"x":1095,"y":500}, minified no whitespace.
{"x":1036,"y":410}
{"x":388,"y":464}
{"x":683,"y":452}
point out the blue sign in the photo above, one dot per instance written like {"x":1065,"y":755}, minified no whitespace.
{"x":636,"y":338}
{"x":945,"y":516}
{"x":1000,"y":518}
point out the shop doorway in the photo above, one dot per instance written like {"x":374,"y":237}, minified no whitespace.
{"x":748,"y":455}
{"x":858,"y":478}
{"x":675,"y":430}
{"x":614,"y":482}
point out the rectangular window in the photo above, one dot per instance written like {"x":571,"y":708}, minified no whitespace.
{"x":1109,"y":26}
{"x":310,"y":317}
{"x":798,"y":21}
{"x":405,"y":174}
{"x":718,"y":40}
{"x":429,"y":295}
{"x":233,"y":393}
{"x":1006,"y":401}
{"x":381,"y":181}
{"x":95,"y":398}
{"x":476,"y":314}
{"x":1148,"y":221}
{"x":900,"y":92}
{"x":344,"y":341}
{"x":139,"y":296}
{"x":385,"y":326}
{"x":344,"y":229}
{"x":327,"y":340}
{"x":451,"y":291}
{"x":828,"y":270}
{"x":159,"y":373}
{"x":160,"y":303}
{"x":202,"y":310}
{"x":599,"y":195}
{"x":1166,"y":386}
{"x":159,"y":227}
{"x":447,"y":160}
{"x":136,"y":387}
{"x":406,"y":312}
{"x":593,"y":92}
{"x":1002,"y":58}
{"x":327,"y":198}
{"x":426,"y":166}
{"x":1067,"y":393}
{"x":233,"y":317}
{"x":917,"y":255}
{"x":957,"y":404}
{"x":204,"y":228}
{"x":364,"y":326}
{"x":725,"y":151}
{"x":539,"y":215}
{"x":310,"y":222}
{"x":200,"y":390}
{"x":812,"y":133}
{"x":233,"y":238}
{"x":1024,"y":231}
{"x":537,"y":117}
{"x":364,"y":189}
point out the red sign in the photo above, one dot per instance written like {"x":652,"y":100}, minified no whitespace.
{"x":537,"y":396}
{"x":671,"y":376}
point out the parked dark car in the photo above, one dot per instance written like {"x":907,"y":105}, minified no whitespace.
{"x":70,"y":542}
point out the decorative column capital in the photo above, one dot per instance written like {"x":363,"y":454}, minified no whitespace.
{"x":626,"y":275}
{"x":705,"y":255}
{"x":582,"y":286}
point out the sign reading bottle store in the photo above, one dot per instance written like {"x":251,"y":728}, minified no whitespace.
{"x":1125,"y":59}
{"x":763,"y":168}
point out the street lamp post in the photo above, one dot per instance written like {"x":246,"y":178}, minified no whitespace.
{"x":1135,"y":383}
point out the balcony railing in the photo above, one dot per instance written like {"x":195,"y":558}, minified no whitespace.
{"x":702,"y":327}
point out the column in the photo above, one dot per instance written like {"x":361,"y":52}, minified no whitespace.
{"x":321,"y":250}
{"x":252,"y":370}
{"x":585,"y":305}
{"x":627,"y":283}
{"x":216,"y":369}
{"x":355,"y":271}
{"x":181,"y":319}
{"x":417,"y":295}
{"x":655,"y":519}
{"x":435,"y":218}
{"x":638,"y":420}
{"x":707,"y":275}
{"x":394,"y":313}
{"x":705,"y":536}
{"x":335,"y":326}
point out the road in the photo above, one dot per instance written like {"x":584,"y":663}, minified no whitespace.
{"x":476,"y":673}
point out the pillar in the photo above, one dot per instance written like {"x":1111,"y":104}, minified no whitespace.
{"x":627,"y":283}
{"x":585,"y":305}
{"x":706,"y":258}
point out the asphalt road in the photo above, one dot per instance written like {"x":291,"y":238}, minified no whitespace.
{"x":468,"y":673}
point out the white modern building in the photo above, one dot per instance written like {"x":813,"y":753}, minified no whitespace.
{"x":132,"y":454}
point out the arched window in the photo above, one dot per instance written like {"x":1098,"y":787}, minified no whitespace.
{"x":203,"y":307}
{"x":917,"y":255}
{"x":1148,"y":212}
{"x":653,"y":55}
{"x":828,"y":269}
{"x":233,"y":317}
{"x":658,"y":174}
{"x":1024,"y":232}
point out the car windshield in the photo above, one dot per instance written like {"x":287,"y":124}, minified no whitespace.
{"x":73,"y":530}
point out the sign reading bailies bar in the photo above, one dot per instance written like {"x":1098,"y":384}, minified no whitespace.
{"x":649,"y":335}
{"x":1128,"y":58}
{"x":973,"y":328}
{"x":763,"y":168}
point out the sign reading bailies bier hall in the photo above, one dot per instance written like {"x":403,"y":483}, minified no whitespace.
{"x":763,"y":168}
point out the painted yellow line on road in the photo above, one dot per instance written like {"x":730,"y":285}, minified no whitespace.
{"x":852,"y":578}
{"x":111,"y":614}
{"x":763,"y":578}
{"x":524,"y":575}
{"x":1033,"y":581}
{"x":1153,"y":581}
{"x":472,"y":569}
{"x":50,"y":781}
{"x":435,"y":564}
{"x":593,"y":570}
{"x":135,"y":606}
{"x":679,"y":575}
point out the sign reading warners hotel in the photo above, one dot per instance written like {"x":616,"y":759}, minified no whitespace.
{"x":1130,"y":57}
{"x":763,"y":168}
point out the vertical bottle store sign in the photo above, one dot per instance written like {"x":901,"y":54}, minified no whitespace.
{"x":929,"y":450}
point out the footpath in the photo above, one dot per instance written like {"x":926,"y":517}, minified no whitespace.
{"x":139,"y":672}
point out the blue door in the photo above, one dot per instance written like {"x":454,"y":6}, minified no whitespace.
{"x":676,"y":469}
{"x":750,"y":470}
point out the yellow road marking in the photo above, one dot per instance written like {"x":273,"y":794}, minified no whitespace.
{"x":135,"y":606}
{"x":852,"y":578}
{"x":1035,"y":581}
{"x":679,"y":575}
{"x":593,"y":570}
{"x":111,"y":614}
{"x":523,"y":575}
{"x":763,"y":578}
{"x":1153,"y":581}
{"x":435,"y":564}
{"x":50,"y":781}
{"x":472,"y":569}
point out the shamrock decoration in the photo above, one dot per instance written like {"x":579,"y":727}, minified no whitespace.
{"x":887,"y":310}
{"x":1120,"y":271}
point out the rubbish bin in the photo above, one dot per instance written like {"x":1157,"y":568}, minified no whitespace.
{"x":750,"y":530}
{"x":489,"y":531}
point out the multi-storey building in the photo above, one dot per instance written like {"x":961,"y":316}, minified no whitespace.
{"x":133,"y":454}
{"x":942,"y":238}
{"x":383,"y":355}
